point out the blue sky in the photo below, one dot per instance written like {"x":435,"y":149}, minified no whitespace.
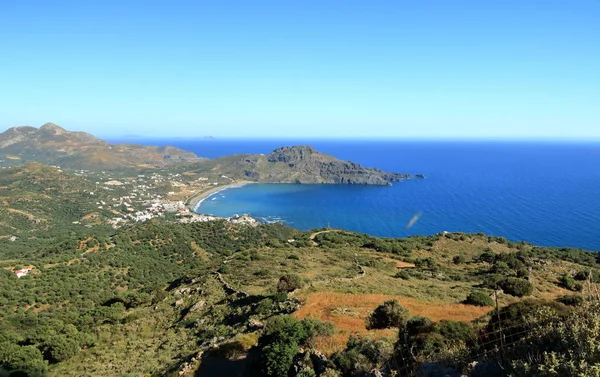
{"x":323,"y":68}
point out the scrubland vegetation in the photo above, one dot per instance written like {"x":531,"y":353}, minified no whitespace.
{"x":213,"y":298}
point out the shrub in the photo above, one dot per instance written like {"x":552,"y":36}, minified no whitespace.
{"x":427,"y":264}
{"x":264,"y":306}
{"x":455,"y":330}
{"x":571,"y":300}
{"x":315,"y":329}
{"x":289,"y":283}
{"x":363,"y":355}
{"x":567,"y":347}
{"x":581,"y":275}
{"x":517,"y":287}
{"x":277,"y":358}
{"x":479,"y":298}
{"x":584,"y":275}
{"x":389,"y":314}
{"x":501,"y":268}
{"x":402,"y":274}
{"x":567,"y":281}
{"x":415,"y":325}
{"x":224,"y":269}
{"x":458,"y":259}
{"x":487,"y":256}
{"x":281,"y":339}
{"x":427,"y":341}
{"x":293,"y":256}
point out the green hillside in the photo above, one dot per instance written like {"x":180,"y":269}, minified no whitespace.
{"x":161,"y":293}
{"x":196,"y":299}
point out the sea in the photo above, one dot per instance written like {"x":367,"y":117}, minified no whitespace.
{"x":544,"y":192}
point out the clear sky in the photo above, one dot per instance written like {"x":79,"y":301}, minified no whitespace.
{"x":322,"y":68}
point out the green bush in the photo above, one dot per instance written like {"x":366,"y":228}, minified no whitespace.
{"x":426,"y":264}
{"x":402,"y":274}
{"x":487,"y":256}
{"x":387,"y":315}
{"x":517,"y":287}
{"x":277,"y":358}
{"x":415,"y":325}
{"x":571,"y":300}
{"x":581,"y":275}
{"x":501,"y":268}
{"x":566,"y":347}
{"x":479,"y":298}
{"x":264,"y":306}
{"x":224,"y":269}
{"x":361,"y":356}
{"x":567,"y":281}
{"x":280,"y":297}
{"x":281,"y":339}
{"x":28,"y":359}
{"x":456,"y":331}
{"x":459,"y":259}
{"x":289,"y":283}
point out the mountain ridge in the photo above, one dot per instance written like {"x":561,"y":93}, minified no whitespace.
{"x":52,"y":144}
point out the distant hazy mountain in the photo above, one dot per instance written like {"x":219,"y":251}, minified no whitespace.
{"x":52,"y":144}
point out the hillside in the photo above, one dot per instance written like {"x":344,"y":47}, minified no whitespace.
{"x":41,"y":204}
{"x":202,"y":298}
{"x":53,"y":145}
{"x":298,"y":164}
{"x":212,"y":297}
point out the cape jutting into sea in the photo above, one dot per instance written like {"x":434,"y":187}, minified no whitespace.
{"x":546,"y":193}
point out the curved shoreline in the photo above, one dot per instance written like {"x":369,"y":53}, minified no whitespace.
{"x":197,"y":199}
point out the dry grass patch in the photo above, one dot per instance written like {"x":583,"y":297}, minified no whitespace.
{"x":348,"y":312}
{"x":200,"y":252}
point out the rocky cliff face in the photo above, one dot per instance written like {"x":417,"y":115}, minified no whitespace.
{"x":52,"y":144}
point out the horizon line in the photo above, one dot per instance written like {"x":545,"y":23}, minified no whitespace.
{"x":578,"y":139}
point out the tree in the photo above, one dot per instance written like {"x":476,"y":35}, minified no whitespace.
{"x":28,"y":359}
{"x":277,"y":358}
{"x":61,"y":348}
{"x":389,"y":314}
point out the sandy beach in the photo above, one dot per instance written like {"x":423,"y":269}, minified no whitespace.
{"x":197,"y":198}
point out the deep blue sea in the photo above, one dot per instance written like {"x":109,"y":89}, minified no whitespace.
{"x":545,"y":193}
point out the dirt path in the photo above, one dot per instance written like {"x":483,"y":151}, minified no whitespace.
{"x":312,"y":236}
